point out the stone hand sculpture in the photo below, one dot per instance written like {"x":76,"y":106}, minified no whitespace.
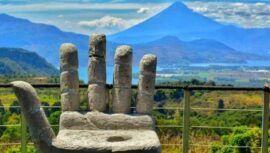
{"x":96,"y":131}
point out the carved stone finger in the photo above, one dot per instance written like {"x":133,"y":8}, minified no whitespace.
{"x":122,"y":79}
{"x":69,"y":80}
{"x":40,"y":130}
{"x":146,"y":87}
{"x":97,"y":95}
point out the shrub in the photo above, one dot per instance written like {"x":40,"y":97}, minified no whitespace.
{"x":246,"y":139}
{"x":30,"y":149}
{"x":54,"y":120}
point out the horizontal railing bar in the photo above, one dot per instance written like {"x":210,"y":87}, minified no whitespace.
{"x":9,"y":144}
{"x":20,"y":106}
{"x":166,"y":108}
{"x":228,"y":109}
{"x":165,"y":144}
{"x":10,"y":125}
{"x":158,"y":126}
{"x":155,"y":108}
{"x":168,"y":126}
{"x":227,"y":146}
{"x":217,"y":127}
{"x":228,"y":88}
{"x":171,"y":144}
{"x":199,"y":87}
{"x":30,"y":143}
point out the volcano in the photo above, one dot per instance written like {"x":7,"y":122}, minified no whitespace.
{"x":176,"y":20}
{"x":180,"y":21}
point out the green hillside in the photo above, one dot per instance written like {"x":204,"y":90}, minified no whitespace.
{"x":16,"y":61}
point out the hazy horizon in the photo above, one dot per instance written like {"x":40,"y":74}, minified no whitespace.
{"x":112,"y":16}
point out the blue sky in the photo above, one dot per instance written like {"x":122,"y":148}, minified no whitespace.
{"x":111,"y":16}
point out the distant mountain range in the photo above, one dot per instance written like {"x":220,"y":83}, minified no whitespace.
{"x":180,"y":21}
{"x":41,"y":38}
{"x":19,"y":61}
{"x":170,"y":50}
{"x":177,"y":35}
{"x":177,"y":20}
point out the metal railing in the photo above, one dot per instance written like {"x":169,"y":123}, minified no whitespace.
{"x":186,"y":112}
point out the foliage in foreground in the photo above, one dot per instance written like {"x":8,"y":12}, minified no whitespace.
{"x":166,"y":100}
{"x":241,"y":140}
{"x":30,"y":149}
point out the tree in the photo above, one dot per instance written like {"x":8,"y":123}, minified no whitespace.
{"x":54,"y":120}
{"x":2,"y":109}
{"x":195,"y":82}
{"x":176,"y":94}
{"x":55,"y":107}
{"x":249,"y":139}
{"x":12,"y":133}
{"x":160,"y":95}
{"x":14,"y":107}
{"x":221,"y":106}
{"x":46,"y":109}
{"x":210,"y":83}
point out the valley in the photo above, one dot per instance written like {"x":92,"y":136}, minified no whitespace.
{"x":245,"y":76}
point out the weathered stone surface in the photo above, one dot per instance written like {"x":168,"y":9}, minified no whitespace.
{"x":107,"y":141}
{"x":97,"y":94}
{"x":97,"y":97}
{"x":70,"y":100}
{"x":122,"y":75}
{"x":145,"y":106}
{"x":101,"y":121}
{"x":97,"y":45}
{"x":68,"y":57}
{"x":122,"y":79}
{"x":35,"y":117}
{"x":123,"y":55}
{"x":148,"y":64}
{"x":96,"y":132}
{"x":69,"y":80}
{"x":121,"y":100}
{"x":146,"y":84}
{"x":97,"y":70}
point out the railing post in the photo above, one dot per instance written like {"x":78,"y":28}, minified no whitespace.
{"x":23,"y":135}
{"x":186,"y":121}
{"x":265,"y":120}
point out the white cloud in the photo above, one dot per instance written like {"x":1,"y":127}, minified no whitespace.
{"x":200,"y":9}
{"x":52,"y":6}
{"x":66,"y":22}
{"x":115,"y":17}
{"x":260,"y":4}
{"x":60,"y":16}
{"x":143,"y":10}
{"x":107,"y":24}
{"x":243,"y":14}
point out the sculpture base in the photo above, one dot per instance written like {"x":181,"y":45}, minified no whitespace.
{"x":106,"y":141}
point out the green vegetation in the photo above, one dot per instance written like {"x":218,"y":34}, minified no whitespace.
{"x":16,"y":61}
{"x":236,"y":75}
{"x":208,"y":109}
{"x":240,"y":137}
